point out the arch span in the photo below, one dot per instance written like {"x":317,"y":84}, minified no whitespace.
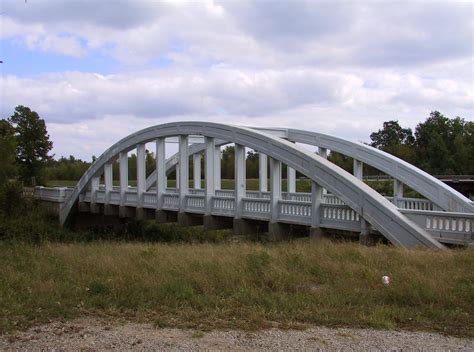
{"x":378,"y":211}
{"x":430,"y":187}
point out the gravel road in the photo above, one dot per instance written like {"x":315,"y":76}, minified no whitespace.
{"x":96,"y":335}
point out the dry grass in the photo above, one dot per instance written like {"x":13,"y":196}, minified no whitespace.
{"x":239,"y":285}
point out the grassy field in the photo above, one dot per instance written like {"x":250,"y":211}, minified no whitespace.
{"x":238,"y":285}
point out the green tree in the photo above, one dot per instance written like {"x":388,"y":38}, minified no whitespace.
{"x":394,"y":139}
{"x":33,"y":144}
{"x":391,"y":134}
{"x":8,"y":167}
{"x":450,"y":138}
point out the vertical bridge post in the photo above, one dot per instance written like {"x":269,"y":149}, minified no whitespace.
{"x":217,"y":167}
{"x":262,"y":172}
{"x":183,"y":218}
{"x":397,"y":191}
{"x":275,"y":230}
{"x":315,"y":231}
{"x":123,"y":164}
{"x":197,"y":170}
{"x":141,"y":179}
{"x":160,"y":215}
{"x":108,"y":180}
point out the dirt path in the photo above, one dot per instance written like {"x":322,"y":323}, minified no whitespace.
{"x":96,"y":335}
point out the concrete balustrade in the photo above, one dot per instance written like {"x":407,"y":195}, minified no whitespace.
{"x":338,"y":200}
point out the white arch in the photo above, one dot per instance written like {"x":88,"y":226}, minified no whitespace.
{"x":430,"y":187}
{"x":373,"y":207}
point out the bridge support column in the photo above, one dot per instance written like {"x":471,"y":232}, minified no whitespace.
{"x":123,"y":165}
{"x":291,"y":179}
{"x":365,"y":237}
{"x":183,"y":218}
{"x":323,"y":152}
{"x":262,"y":172}
{"x":276,"y":231}
{"x":240,"y":226}
{"x":358,"y":169}
{"x":209,"y":173}
{"x":141,"y":180}
{"x":95,"y":208}
{"x":240,"y":180}
{"x":160,"y":215}
{"x":397,"y":191}
{"x":177,"y":176}
{"x":108,"y":180}
{"x":315,"y":232}
{"x":197,"y":171}
{"x":217,"y":168}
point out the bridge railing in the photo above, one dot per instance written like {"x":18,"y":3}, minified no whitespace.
{"x":448,"y":227}
{"x":445,"y":226}
{"x":222,"y":205}
{"x":195,"y":203}
{"x":257,"y":208}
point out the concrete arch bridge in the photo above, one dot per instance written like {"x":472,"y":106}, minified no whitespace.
{"x":338,"y":200}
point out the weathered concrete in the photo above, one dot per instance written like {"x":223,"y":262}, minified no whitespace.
{"x":277,"y":231}
{"x":126,"y":212}
{"x":212,"y":222}
{"x":243,"y":227}
{"x":316,"y":233}
{"x":95,"y":208}
{"x":111,"y":210}
{"x":187,"y":219}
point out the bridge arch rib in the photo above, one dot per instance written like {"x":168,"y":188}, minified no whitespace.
{"x":431,"y":188}
{"x":373,"y":207}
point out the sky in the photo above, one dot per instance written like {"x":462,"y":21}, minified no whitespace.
{"x":97,"y":71}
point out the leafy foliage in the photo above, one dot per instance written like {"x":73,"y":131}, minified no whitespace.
{"x":440,"y":145}
{"x":8,"y":167}
{"x":33,"y":144}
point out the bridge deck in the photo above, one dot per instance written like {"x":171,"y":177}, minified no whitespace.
{"x":293,"y":208}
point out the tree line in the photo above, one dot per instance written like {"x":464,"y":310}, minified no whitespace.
{"x":439,"y":145}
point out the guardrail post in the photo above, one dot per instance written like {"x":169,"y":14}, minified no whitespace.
{"x":262,"y":172}
{"x":197,"y":170}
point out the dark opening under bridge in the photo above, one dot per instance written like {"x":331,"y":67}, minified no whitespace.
{"x":338,"y":199}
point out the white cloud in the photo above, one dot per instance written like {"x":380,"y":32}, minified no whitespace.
{"x":337,"y":67}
